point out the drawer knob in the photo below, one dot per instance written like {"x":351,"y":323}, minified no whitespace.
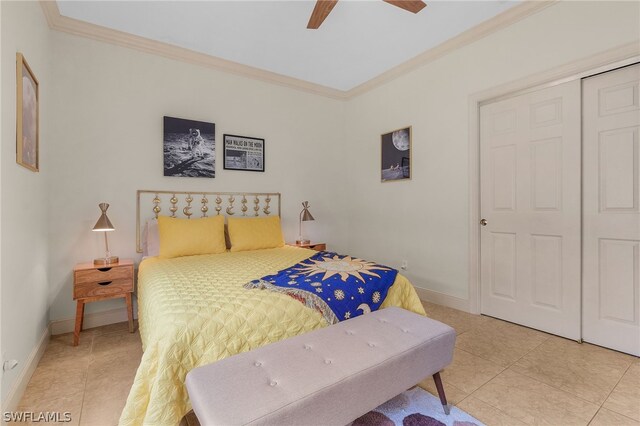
{"x":104,"y":269}
{"x":105,"y":282}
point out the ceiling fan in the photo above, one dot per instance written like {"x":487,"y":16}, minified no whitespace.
{"x":324,"y":7}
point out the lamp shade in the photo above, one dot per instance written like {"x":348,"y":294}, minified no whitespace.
{"x":103,"y":223}
{"x":306,"y":214}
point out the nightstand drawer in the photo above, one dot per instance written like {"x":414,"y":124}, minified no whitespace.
{"x":102,"y":288}
{"x":92,"y":283}
{"x":311,"y":246}
{"x":103,"y":274}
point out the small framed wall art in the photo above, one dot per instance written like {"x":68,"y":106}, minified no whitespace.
{"x":243,"y":153}
{"x":189,"y":148}
{"x":27,"y":116}
{"x":396,"y":155}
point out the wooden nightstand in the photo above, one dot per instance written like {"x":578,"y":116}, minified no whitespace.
{"x":312,"y":246}
{"x":101,"y":282}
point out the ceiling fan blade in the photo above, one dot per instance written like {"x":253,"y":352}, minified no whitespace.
{"x":320,"y":12}
{"x":410,"y":5}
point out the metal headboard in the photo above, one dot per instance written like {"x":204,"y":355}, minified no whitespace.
{"x":179,"y":204}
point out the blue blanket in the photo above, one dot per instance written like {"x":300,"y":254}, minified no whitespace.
{"x":340,"y":287}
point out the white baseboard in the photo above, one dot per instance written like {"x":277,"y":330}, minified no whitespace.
{"x":443,"y":299}
{"x":91,"y":320}
{"x":20,"y":385}
{"x":56,"y":327}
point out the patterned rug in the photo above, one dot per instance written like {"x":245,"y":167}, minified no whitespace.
{"x":415,"y":407}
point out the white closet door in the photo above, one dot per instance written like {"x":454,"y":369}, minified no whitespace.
{"x":530,"y":198}
{"x":611,"y":185}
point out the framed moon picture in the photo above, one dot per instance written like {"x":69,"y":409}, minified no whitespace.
{"x":396,"y":155}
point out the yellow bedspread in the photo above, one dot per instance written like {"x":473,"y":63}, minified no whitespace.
{"x":193,"y":311}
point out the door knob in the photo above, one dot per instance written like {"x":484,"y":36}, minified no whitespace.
{"x":483,"y":222}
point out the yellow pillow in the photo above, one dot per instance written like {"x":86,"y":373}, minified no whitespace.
{"x":255,"y":233}
{"x":188,"y":237}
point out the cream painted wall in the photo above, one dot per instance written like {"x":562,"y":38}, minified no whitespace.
{"x":107,"y":129}
{"x":24,"y":247}
{"x":425,"y":221}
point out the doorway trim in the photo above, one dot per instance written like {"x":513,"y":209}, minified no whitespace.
{"x":623,"y":55}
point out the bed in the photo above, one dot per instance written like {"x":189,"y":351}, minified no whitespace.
{"x":194,"y":310}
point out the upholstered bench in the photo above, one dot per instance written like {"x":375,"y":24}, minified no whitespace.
{"x":329,"y":376}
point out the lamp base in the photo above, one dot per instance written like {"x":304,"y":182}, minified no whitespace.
{"x":106,"y":260}
{"x":303,"y":242}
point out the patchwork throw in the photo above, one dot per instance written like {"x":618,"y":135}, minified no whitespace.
{"x":339,"y":287}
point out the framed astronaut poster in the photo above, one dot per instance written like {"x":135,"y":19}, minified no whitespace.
{"x":189,"y":148}
{"x":243,"y":153}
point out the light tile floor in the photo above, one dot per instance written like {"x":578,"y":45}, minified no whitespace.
{"x":502,"y":373}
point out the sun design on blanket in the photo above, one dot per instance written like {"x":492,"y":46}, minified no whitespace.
{"x":344,"y":266}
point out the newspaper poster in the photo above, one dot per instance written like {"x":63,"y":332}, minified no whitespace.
{"x":243,"y":153}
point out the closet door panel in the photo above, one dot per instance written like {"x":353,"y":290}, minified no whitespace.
{"x":611,"y":215}
{"x":530,"y":198}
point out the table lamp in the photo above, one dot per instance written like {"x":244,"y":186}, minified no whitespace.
{"x":104,"y":225}
{"x":305,"y":215}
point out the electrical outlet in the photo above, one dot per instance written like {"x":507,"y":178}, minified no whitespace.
{"x":404,"y":265}
{"x":8,"y":364}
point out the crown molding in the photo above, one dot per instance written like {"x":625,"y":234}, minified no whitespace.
{"x":498,"y":22}
{"x":76,"y":27}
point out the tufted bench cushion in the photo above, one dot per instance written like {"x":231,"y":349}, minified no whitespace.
{"x":329,"y":376}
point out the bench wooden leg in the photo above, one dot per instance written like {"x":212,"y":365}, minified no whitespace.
{"x":443,"y":398}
